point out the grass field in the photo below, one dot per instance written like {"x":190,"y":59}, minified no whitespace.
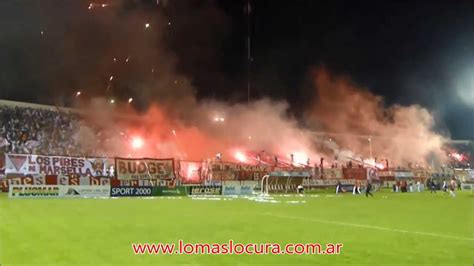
{"x":397,"y":229}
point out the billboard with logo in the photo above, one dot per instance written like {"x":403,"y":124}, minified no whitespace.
{"x":170,"y":191}
{"x":55,"y":191}
{"x":238,"y":187}
{"x":204,"y":190}
{"x":131,"y":191}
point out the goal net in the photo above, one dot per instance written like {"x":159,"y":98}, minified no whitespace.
{"x":282,"y":183}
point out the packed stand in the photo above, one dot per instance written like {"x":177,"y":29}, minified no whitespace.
{"x":37,"y":130}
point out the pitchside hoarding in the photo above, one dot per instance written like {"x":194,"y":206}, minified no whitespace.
{"x":54,"y":165}
{"x":52,"y":191}
{"x":147,"y":191}
{"x":204,"y":190}
{"x":168,"y":191}
{"x":144,"y":168}
{"x":471,"y":174}
{"x":238,"y":187}
{"x":131,"y":192}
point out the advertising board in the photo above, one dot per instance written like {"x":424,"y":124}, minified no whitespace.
{"x":55,"y":191}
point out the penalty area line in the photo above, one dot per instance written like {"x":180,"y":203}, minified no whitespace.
{"x":368,"y":227}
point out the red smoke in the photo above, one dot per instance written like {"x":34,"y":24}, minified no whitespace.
{"x":347,"y":114}
{"x":360,"y":123}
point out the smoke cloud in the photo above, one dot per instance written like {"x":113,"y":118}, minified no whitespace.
{"x":145,"y":50}
{"x":343,"y":123}
{"x":359,"y":121}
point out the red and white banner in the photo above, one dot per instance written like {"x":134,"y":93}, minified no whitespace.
{"x":54,"y":165}
{"x":332,"y":173}
{"x":327,"y":182}
{"x":144,"y":168}
{"x":354,"y":173}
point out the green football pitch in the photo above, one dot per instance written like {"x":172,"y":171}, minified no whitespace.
{"x":397,"y":229}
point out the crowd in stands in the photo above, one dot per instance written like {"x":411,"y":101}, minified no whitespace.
{"x":36,"y":130}
{"x":46,"y":130}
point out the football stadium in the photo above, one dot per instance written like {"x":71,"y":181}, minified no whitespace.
{"x":155,"y":132}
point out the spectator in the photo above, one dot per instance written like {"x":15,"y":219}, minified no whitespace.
{"x":36,"y":131}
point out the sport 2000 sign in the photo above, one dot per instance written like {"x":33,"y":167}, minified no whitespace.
{"x":131,"y":192}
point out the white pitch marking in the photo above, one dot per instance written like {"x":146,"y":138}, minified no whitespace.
{"x":370,"y":227}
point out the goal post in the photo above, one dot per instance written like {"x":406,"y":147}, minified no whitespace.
{"x":282,"y":182}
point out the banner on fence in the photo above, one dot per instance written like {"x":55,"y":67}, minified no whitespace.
{"x":143,"y":182}
{"x":354,"y":173}
{"x":55,"y":191}
{"x":403,"y":174}
{"x":54,"y":165}
{"x":144,"y":168}
{"x":238,"y":187}
{"x":249,"y":175}
{"x":75,"y":180}
{"x":327,"y":182}
{"x":22,"y":180}
{"x":233,"y":171}
{"x":204,"y":190}
{"x":385,"y":173}
{"x":332,"y":173}
{"x":420,"y":174}
{"x":464,"y":174}
{"x":291,"y":173}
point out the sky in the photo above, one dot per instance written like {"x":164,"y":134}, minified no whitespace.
{"x":408,"y":52}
